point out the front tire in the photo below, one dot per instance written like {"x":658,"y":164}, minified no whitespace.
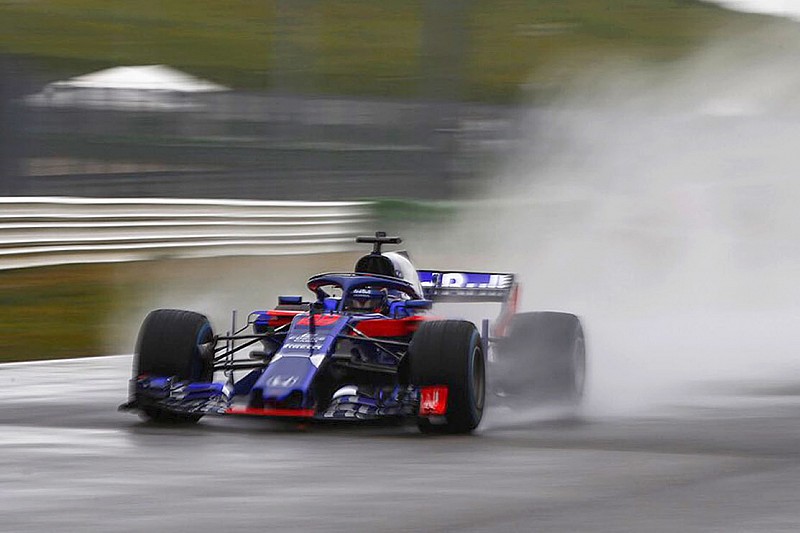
{"x":174,"y":343}
{"x":450,"y":353}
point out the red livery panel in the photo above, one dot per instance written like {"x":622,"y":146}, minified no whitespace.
{"x":252,"y":411}
{"x":390,"y":327}
{"x":279,"y":318}
{"x":319,"y":320}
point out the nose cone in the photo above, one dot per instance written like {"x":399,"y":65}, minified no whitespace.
{"x":285,"y":384}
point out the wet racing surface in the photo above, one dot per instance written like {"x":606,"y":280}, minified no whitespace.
{"x":70,"y":461}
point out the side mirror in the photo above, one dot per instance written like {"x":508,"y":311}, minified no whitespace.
{"x":418,"y":304}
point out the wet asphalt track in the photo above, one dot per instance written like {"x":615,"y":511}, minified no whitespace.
{"x":70,"y":462}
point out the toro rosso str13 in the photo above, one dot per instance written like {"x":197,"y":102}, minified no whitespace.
{"x":366,"y":346}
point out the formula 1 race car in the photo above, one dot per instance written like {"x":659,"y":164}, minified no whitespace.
{"x":366,"y":347}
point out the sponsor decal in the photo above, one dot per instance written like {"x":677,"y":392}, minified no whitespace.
{"x":465,"y":280}
{"x":304,"y":341}
{"x":433,"y":401}
{"x":362,"y":293}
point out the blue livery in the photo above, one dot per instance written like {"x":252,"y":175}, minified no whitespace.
{"x":365,"y":346}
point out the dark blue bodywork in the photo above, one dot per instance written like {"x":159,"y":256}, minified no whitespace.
{"x":317,"y":351}
{"x":315,"y":359}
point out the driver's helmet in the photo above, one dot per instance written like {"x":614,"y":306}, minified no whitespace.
{"x":367,"y":300}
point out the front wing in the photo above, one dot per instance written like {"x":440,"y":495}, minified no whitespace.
{"x":349,"y":403}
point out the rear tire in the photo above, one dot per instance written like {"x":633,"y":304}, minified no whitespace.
{"x":450,"y":353}
{"x":174,"y":343}
{"x":552,"y":346}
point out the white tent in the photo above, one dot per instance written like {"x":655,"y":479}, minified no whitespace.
{"x":141,"y":78}
{"x":147,"y":87}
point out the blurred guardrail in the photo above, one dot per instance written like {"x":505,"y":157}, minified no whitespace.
{"x":41,"y":231}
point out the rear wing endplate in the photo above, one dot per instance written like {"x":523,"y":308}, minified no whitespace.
{"x":449,"y":286}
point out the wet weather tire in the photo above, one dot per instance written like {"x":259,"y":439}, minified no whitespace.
{"x":450,"y":353}
{"x":174,"y":343}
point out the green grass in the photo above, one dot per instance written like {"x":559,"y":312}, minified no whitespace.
{"x":86,"y":310}
{"x":395,"y":210}
{"x":56,"y":312}
{"x":368,"y":47}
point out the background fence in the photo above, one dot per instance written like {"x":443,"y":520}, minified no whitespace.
{"x":270,"y":147}
{"x":51,"y":231}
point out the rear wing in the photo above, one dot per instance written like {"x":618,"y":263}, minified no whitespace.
{"x":448,"y":286}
